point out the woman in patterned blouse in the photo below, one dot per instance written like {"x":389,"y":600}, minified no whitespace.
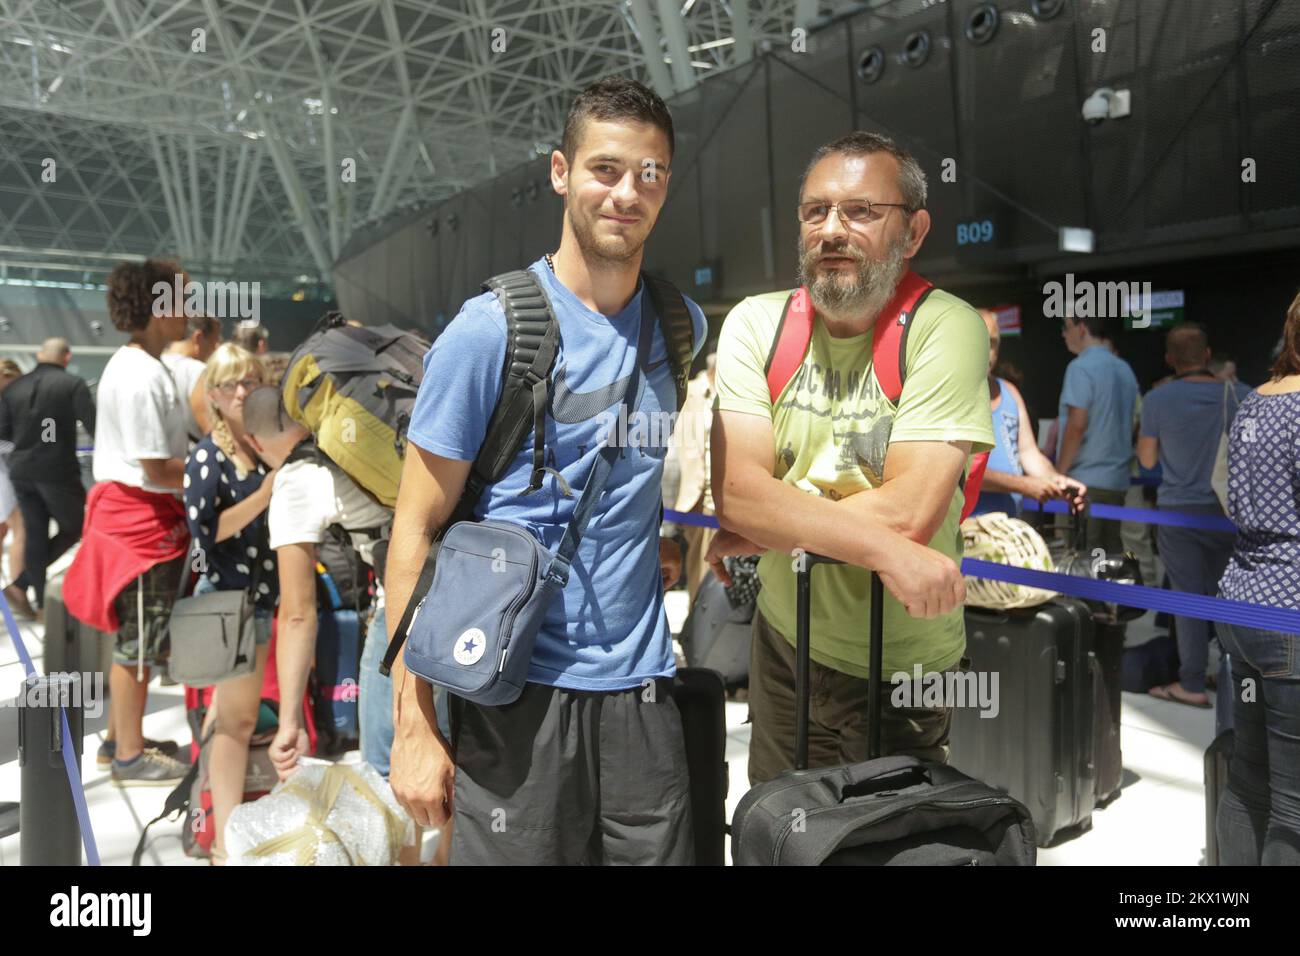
{"x":1259,"y":816}
{"x":226,"y":493}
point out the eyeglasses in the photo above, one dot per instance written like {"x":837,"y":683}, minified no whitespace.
{"x":849,"y":210}
{"x":229,"y":388}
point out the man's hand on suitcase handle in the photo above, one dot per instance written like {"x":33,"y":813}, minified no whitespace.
{"x":928,"y":584}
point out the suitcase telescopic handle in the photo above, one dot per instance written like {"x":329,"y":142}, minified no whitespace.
{"x":803,"y":644}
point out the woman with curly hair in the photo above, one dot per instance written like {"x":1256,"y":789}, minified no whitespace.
{"x":125,"y":577}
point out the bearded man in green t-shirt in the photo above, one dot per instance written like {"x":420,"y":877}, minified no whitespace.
{"x":833,"y":467}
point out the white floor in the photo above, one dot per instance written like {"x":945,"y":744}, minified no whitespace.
{"x":1159,"y":817}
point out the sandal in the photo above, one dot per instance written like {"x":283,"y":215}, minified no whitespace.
{"x":1165,"y":692}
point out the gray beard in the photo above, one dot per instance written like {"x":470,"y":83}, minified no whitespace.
{"x":866,"y":293}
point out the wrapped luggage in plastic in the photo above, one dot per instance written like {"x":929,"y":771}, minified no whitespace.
{"x":324,"y":815}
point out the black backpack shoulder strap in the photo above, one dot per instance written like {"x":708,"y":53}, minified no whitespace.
{"x":532,"y":342}
{"x":678,"y":329}
{"x":307,"y":450}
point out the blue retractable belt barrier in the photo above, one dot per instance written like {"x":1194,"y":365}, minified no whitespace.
{"x":69,"y":751}
{"x":1177,"y":519}
{"x":1153,"y":599}
{"x":1133,"y":595}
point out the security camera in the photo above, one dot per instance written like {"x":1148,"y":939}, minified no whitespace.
{"x":1106,"y":103}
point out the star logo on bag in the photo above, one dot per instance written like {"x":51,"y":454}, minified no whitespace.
{"x":469,"y":647}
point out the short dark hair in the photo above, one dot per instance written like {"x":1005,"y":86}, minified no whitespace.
{"x":130,"y":291}
{"x":1097,"y":325}
{"x":615,"y":98}
{"x":249,"y":336}
{"x":1186,"y":343}
{"x":200,"y":322}
{"x":264,"y":412}
{"x":911,"y":178}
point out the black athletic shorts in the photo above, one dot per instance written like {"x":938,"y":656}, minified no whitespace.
{"x":565,"y":777}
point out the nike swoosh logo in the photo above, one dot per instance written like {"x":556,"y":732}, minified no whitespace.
{"x":570,"y":408}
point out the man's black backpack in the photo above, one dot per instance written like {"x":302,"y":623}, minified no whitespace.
{"x":532,"y":339}
{"x":532,"y":342}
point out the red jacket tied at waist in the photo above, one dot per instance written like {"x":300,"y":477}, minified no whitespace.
{"x":127,"y":531}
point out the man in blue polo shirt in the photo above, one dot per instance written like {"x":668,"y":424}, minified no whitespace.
{"x":1182,"y":422}
{"x":588,"y":765}
{"x":1095,"y":443}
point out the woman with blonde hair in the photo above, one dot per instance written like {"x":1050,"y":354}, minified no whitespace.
{"x":226,"y":493}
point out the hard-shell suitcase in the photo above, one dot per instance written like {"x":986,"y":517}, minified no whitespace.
{"x":701,"y":701}
{"x":1217,"y":758}
{"x":885,"y":811}
{"x":1108,"y":653}
{"x":1042,"y":746}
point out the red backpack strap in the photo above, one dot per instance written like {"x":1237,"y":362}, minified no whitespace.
{"x":974,"y":478}
{"x":889,"y":340}
{"x":790,"y":344}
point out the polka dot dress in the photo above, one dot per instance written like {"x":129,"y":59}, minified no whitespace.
{"x":211,"y":485}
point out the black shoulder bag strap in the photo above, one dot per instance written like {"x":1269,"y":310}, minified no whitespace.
{"x":532,"y":342}
{"x":563,"y":558}
{"x":678,"y":329}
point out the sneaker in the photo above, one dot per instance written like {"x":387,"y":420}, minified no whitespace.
{"x":152,"y":768}
{"x":104,"y":755}
{"x":18,"y":603}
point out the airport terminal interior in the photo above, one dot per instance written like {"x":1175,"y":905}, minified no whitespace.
{"x":1112,"y":186}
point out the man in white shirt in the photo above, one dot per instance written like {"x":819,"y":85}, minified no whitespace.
{"x":186,"y":360}
{"x":310,"y":494}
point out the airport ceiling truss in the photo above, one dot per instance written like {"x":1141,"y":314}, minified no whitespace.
{"x":223,"y":130}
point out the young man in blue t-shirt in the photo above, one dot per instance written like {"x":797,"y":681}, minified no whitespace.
{"x":588,"y":765}
{"x":1095,"y":441}
{"x":1182,"y":422}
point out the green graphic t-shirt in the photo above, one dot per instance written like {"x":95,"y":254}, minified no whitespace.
{"x":833,"y":427}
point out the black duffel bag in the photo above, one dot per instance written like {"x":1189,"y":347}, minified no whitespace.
{"x":898,"y":811}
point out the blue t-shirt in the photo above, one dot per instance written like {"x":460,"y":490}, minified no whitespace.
{"x":1005,"y":454}
{"x":1187,"y":419}
{"x":607,"y":631}
{"x":1102,"y":383}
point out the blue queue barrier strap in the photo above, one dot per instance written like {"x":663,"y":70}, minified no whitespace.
{"x":69,"y":750}
{"x":78,"y":792}
{"x":1177,"y":519}
{"x":693,"y":518}
{"x":28,"y":667}
{"x":1181,"y":603}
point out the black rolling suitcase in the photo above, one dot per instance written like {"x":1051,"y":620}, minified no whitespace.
{"x":1108,"y":653}
{"x":1217,"y":758}
{"x":701,"y":700}
{"x":886,"y":811}
{"x":1042,"y":747}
